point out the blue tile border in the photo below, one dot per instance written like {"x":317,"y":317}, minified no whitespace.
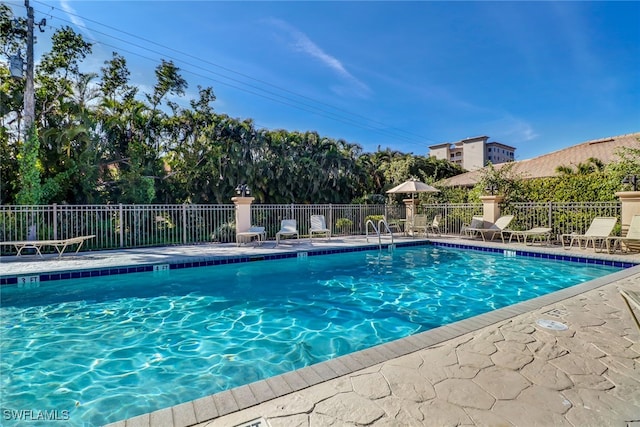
{"x":220,"y":260}
{"x":558,"y":257}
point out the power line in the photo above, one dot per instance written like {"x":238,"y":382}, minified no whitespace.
{"x":238,"y":73}
{"x":272,"y":96}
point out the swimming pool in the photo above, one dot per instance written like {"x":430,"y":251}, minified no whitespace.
{"x":111,"y":348}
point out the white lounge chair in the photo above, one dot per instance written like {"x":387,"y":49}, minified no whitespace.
{"x":476,"y":222}
{"x":632,"y":239}
{"x":60,"y":245}
{"x":319,"y":226}
{"x":253,"y":232}
{"x":541,"y":233}
{"x":288,"y":227}
{"x":599,"y":230}
{"x":497,"y":228}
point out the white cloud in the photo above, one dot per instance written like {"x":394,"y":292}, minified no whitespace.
{"x":75,"y":19}
{"x":302,"y":43}
{"x":511,"y":130}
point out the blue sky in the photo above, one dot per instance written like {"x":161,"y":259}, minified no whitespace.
{"x":539,"y":76}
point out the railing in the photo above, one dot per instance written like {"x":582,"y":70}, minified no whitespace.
{"x":561,"y":217}
{"x":454,"y":216}
{"x":129,"y":226}
{"x":120,"y":226}
{"x":343,"y":220}
{"x":378,"y":230}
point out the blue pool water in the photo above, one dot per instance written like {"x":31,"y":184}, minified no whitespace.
{"x":109,"y":348}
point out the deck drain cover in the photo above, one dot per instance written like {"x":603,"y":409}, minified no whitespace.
{"x":552,"y":324}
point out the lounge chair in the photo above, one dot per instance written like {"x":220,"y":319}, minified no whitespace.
{"x":434,"y":227}
{"x":632,"y":299}
{"x":497,"y":228}
{"x":631,"y":239}
{"x":599,"y":230}
{"x":476,"y":222}
{"x":253,"y":232}
{"x":60,"y":245}
{"x":319,"y":226}
{"x":541,"y":233}
{"x":288,"y":227}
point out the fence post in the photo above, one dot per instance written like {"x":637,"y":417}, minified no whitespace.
{"x":550,"y":214}
{"x":55,"y":221}
{"x":121,"y":225}
{"x":330,"y":216}
{"x":184,"y":223}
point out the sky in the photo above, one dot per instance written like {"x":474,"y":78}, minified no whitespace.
{"x":539,"y":76}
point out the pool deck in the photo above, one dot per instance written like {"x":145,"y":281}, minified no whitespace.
{"x":499,"y":368}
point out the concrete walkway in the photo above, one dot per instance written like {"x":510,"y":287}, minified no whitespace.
{"x":500,"y":369}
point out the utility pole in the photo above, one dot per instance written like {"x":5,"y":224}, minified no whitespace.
{"x":29,"y":94}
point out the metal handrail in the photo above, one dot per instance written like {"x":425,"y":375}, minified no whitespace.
{"x":366,"y":229}
{"x":383,"y":222}
{"x":377,"y":230}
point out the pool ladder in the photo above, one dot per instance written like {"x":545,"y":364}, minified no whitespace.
{"x":378,"y":230}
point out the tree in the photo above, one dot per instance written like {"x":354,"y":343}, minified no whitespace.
{"x":29,"y":190}
{"x":501,"y":180}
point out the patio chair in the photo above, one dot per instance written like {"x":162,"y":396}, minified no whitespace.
{"x":497,"y":228}
{"x":632,"y":299}
{"x":628,"y":242}
{"x":396,"y":225}
{"x":318,"y":226}
{"x":253,"y":232}
{"x":598,"y":231}
{"x":288,"y":227}
{"x":419,"y":224}
{"x":434,"y":227}
{"x":60,"y":245}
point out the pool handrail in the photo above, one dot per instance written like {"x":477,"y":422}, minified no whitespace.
{"x":377,"y":229}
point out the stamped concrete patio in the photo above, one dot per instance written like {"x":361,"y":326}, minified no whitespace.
{"x":497,"y":369}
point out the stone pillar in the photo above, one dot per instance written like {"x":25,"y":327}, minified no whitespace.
{"x":630,"y":206}
{"x":491,"y":208}
{"x":243,"y":213}
{"x":411,"y":206}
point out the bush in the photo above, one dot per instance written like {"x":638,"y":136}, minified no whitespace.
{"x":343,"y":224}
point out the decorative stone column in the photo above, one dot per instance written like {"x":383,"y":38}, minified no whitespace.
{"x":243,"y":213}
{"x":491,"y":208}
{"x":411,"y":206}
{"x":630,"y":206}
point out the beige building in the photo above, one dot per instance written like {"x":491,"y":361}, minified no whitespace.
{"x":473,"y":153}
{"x":604,"y":149}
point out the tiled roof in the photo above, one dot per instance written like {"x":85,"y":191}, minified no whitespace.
{"x":604,"y":149}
